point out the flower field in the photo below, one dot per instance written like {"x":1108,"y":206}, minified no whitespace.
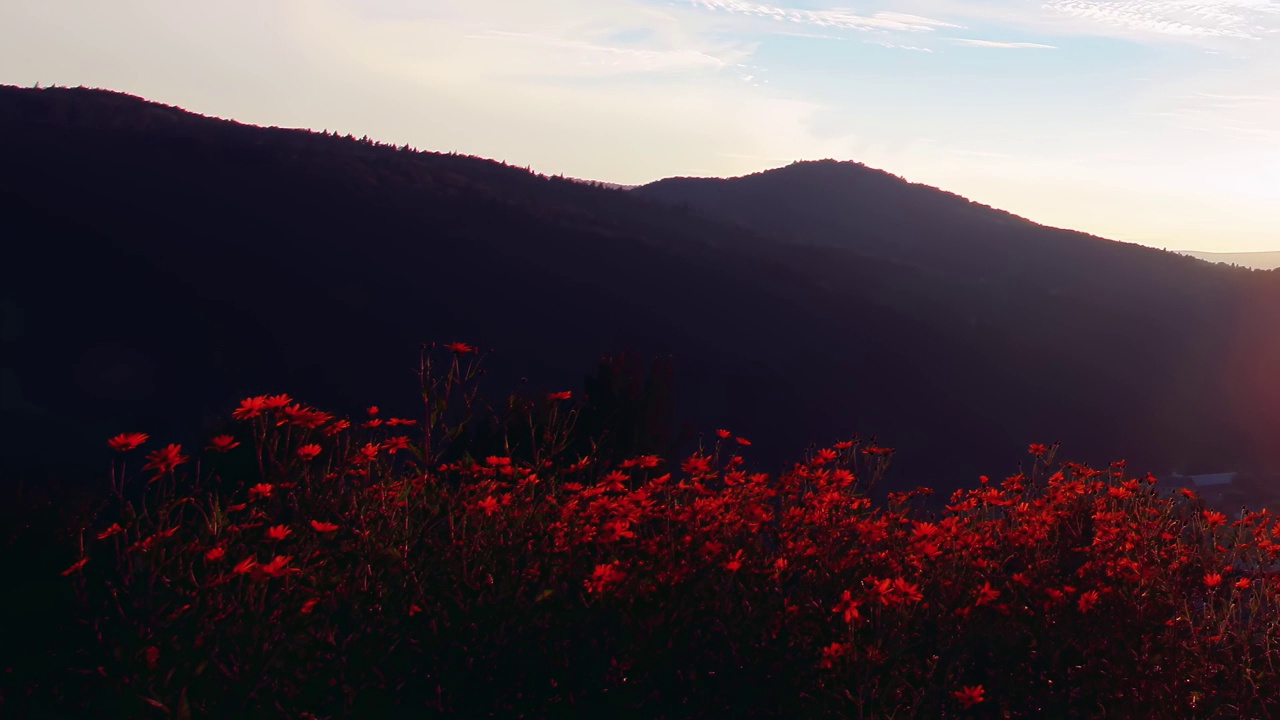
{"x":303,"y":565}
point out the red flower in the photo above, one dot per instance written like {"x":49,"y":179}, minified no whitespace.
{"x":723,"y":434}
{"x":373,"y":410}
{"x":968,"y":696}
{"x":1038,"y":449}
{"x":76,"y":566}
{"x":825,"y":455}
{"x":396,"y":443}
{"x":369,"y":452}
{"x":215,"y":554}
{"x":250,"y":408}
{"x":1214,"y":518}
{"x":303,"y":417}
{"x":987,"y":594}
{"x":223,"y":443}
{"x":278,"y":532}
{"x":308,"y":606}
{"x":309,"y":452}
{"x":906,"y":591}
{"x":263,"y":489}
{"x":275,"y":402}
{"x":832,"y":653}
{"x":165,"y":460}
{"x":696,"y":465}
{"x":603,"y":578}
{"x":734,"y":563}
{"x":323,"y":527}
{"x":495,"y":461}
{"x":742,"y":441}
{"x":489,"y":505}
{"x":246,"y":565}
{"x":1212,"y":580}
{"x":848,"y":606}
{"x":125,"y":442}
{"x":1243,"y":583}
{"x":563,"y":395}
{"x":279,"y":566}
{"x":458,"y":348}
{"x":1088,"y":600}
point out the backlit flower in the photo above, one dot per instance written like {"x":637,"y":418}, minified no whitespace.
{"x":309,"y":452}
{"x":215,"y":554}
{"x":223,"y":443}
{"x":278,"y":532}
{"x":968,"y":696}
{"x":125,"y":442}
{"x":459,"y":348}
{"x":263,"y":489}
{"x":279,"y":566}
{"x":832,"y":653}
{"x":563,"y":395}
{"x":275,"y":402}
{"x":250,"y":408}
{"x":323,"y":527}
{"x":604,"y":577}
{"x":165,"y":460}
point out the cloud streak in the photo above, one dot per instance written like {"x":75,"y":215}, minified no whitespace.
{"x":1239,"y":19}
{"x":834,"y":18}
{"x":1007,"y":45}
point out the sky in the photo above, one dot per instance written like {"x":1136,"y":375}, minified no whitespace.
{"x":1151,"y":121}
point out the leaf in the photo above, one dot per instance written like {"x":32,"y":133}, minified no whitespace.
{"x":157,"y":704}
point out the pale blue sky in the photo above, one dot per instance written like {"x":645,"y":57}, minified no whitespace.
{"x":1155,"y":121}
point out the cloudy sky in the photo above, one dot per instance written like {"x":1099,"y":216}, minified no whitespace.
{"x":1155,"y":121}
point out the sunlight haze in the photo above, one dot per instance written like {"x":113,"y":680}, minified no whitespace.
{"x":1152,"y":121}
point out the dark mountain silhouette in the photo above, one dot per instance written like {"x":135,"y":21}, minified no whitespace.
{"x":163,"y":265}
{"x":1149,"y":343}
{"x":1255,"y":260}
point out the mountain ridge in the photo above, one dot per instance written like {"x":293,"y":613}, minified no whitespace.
{"x":958,"y":366}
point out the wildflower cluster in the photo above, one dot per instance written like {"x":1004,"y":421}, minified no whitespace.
{"x":347,"y":578}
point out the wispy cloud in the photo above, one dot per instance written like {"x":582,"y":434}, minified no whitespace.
{"x":899,"y":46}
{"x":833,"y":18}
{"x":1242,"y":19}
{"x":1009,"y":45}
{"x":580,"y":56}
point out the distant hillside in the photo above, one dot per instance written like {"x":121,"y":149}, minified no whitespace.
{"x":1255,"y":260}
{"x":1165,"y":335}
{"x":170,"y":260}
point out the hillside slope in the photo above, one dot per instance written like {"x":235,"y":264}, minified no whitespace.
{"x":172,"y":264}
